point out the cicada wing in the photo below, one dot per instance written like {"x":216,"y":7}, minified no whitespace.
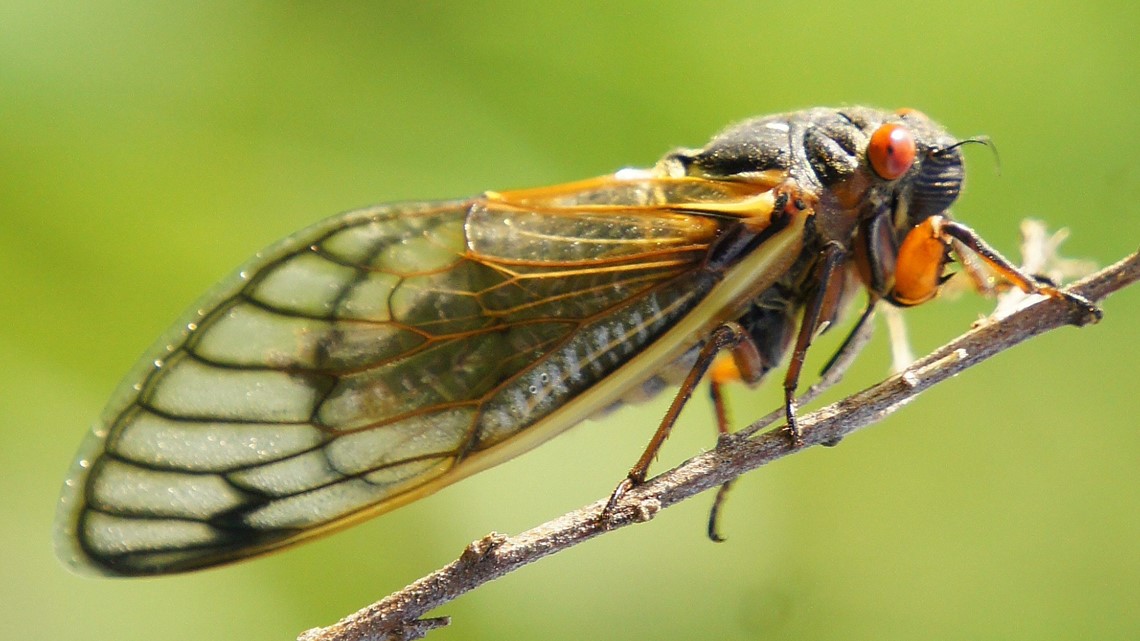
{"x":374,"y":358}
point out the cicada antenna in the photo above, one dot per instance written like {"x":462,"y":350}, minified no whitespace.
{"x":980,"y":140}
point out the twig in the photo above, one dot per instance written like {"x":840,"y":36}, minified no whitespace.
{"x":398,"y":615}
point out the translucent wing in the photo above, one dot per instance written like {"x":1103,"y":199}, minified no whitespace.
{"x":384,"y":353}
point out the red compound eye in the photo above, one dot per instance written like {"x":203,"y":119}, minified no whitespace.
{"x":891,"y":151}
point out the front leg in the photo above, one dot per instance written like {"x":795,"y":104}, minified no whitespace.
{"x":924,"y":253}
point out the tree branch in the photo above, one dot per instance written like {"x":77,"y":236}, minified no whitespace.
{"x":398,"y":615}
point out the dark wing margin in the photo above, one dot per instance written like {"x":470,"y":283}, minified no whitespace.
{"x":365,"y":361}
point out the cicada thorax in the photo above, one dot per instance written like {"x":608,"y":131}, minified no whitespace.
{"x":869,"y":177}
{"x":878,"y":186}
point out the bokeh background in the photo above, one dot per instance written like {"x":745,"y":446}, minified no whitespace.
{"x":148,"y":148}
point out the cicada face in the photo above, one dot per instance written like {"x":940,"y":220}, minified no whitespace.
{"x":385,"y":353}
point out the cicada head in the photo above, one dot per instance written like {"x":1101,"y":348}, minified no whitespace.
{"x":917,"y":174}
{"x":901,"y":165}
{"x":934,"y":180}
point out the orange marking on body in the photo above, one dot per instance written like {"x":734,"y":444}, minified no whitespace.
{"x":724,"y":370}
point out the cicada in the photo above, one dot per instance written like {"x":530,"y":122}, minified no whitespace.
{"x":382,"y":354}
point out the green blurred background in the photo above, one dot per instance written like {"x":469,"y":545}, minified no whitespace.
{"x":147,"y":148}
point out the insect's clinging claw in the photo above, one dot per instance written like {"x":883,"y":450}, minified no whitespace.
{"x":714,"y":513}
{"x":626,"y":484}
{"x":795,"y":434}
{"x":1092,"y":313}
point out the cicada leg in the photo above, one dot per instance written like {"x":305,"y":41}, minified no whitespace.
{"x":714,"y":513}
{"x":837,"y":365}
{"x":843,"y":357}
{"x":924,"y":253}
{"x":743,"y":363}
{"x":821,"y":306}
{"x":725,"y":336}
{"x":722,"y":372}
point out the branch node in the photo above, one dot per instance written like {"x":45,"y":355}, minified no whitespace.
{"x":480,"y":549}
{"x":910,"y":379}
{"x":646,"y":510}
{"x":630,"y":510}
{"x":416,"y":629}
